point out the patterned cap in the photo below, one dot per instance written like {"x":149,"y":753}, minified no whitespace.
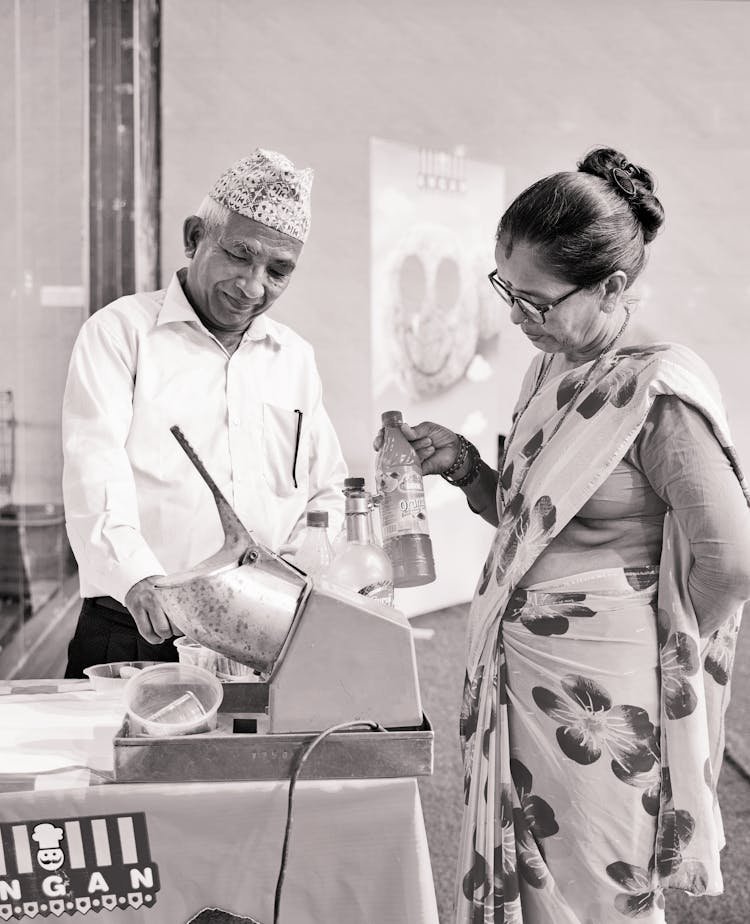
{"x":266,"y":187}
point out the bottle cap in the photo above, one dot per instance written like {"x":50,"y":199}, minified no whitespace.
{"x":317,"y":518}
{"x":354,"y":484}
{"x":392,"y":418}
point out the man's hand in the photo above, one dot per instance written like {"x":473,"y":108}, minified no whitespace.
{"x":150,"y":619}
{"x":436,"y":446}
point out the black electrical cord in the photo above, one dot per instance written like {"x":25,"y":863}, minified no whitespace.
{"x":299,"y":764}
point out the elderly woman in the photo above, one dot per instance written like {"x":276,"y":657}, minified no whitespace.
{"x":601,"y":634}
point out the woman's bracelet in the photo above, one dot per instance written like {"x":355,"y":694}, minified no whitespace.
{"x":463,"y":451}
{"x":466,"y":449}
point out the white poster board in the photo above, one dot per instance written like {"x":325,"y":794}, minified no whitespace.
{"x":443,"y":348}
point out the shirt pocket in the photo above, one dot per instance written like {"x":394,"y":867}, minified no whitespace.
{"x":285,"y":453}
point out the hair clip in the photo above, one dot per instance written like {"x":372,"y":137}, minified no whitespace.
{"x":623,"y":181}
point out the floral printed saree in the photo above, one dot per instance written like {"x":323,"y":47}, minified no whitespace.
{"x":592,"y":721}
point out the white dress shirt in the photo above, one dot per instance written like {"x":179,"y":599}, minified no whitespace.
{"x":134,"y":504}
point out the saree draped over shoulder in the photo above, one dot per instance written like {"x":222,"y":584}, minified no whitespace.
{"x":593,"y":713}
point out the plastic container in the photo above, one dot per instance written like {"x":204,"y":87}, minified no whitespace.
{"x":406,"y":536}
{"x":173,"y":699}
{"x":314,"y":554}
{"x":191,"y":652}
{"x":229,"y":670}
{"x":114,"y":676}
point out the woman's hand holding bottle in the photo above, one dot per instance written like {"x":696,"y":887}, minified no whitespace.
{"x":437,"y":447}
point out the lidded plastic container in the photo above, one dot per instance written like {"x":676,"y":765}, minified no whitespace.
{"x":173,"y":699}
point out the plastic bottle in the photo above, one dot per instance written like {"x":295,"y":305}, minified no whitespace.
{"x":406,"y":536}
{"x":361,"y":565}
{"x":351,"y":486}
{"x":315,"y":553}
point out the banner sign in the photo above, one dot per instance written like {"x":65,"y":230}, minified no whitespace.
{"x":57,"y":866}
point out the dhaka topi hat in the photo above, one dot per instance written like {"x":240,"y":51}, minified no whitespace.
{"x":267,"y":188}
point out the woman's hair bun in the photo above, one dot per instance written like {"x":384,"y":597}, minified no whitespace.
{"x":633,"y":183}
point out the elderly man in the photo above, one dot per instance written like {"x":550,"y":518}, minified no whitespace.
{"x":244,"y":389}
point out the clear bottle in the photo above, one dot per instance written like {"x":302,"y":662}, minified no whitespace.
{"x":315,"y":554}
{"x":406,"y":536}
{"x":361,"y":565}
{"x":351,"y":486}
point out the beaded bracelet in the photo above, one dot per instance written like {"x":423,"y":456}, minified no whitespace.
{"x":473,"y":453}
{"x":463,"y":451}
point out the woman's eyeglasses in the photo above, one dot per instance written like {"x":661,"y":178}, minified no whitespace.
{"x":529,"y":309}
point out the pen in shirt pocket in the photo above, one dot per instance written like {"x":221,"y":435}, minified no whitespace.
{"x":296,"y":445}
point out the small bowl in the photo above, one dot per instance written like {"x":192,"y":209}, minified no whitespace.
{"x":110,"y":677}
{"x":173,"y":699}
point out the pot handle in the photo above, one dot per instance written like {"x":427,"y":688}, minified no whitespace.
{"x":235,"y":534}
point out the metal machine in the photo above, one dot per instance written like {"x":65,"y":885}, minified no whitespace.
{"x":324,"y":656}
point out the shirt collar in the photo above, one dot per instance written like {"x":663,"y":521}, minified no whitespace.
{"x":176,"y":307}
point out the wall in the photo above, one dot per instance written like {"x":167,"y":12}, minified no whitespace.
{"x":531,"y":87}
{"x":41,"y":189}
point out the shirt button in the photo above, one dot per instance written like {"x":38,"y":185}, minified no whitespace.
{"x":236,"y":421}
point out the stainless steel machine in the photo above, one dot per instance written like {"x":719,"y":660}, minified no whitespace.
{"x":324,"y":656}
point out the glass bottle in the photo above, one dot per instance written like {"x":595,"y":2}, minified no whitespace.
{"x":351,"y":486}
{"x":406,"y":536}
{"x":361,"y":565}
{"x":315,"y":554}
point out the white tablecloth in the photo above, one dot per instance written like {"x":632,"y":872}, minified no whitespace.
{"x":163,"y":853}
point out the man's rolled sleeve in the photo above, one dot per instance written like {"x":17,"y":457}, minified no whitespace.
{"x":101,"y":508}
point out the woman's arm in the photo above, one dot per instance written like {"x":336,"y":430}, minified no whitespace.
{"x":687,"y":468}
{"x":481,"y":487}
{"x":439,"y":449}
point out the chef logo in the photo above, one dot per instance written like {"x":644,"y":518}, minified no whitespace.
{"x":48,"y":837}
{"x":67,"y":865}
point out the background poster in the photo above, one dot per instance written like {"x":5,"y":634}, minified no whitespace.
{"x":443,"y":347}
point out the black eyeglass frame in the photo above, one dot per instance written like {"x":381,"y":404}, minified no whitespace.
{"x":529,"y":309}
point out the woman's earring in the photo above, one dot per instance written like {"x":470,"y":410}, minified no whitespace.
{"x":609,"y":304}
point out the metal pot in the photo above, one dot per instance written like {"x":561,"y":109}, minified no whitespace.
{"x":242,"y":601}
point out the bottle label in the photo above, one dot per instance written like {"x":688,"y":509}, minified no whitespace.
{"x":381,"y":591}
{"x":403,"y":506}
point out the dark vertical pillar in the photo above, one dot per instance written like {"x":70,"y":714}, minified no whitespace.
{"x":148,"y":150}
{"x":124,"y":44}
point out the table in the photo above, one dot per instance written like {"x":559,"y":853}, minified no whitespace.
{"x":164,"y":853}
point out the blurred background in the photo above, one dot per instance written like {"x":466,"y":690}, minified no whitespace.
{"x":422,"y":120}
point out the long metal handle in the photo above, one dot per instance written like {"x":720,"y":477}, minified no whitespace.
{"x":236,"y":536}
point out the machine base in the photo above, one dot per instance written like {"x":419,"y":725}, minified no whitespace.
{"x":225,"y":755}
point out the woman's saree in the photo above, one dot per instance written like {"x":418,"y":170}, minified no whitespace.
{"x":593,"y":713}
